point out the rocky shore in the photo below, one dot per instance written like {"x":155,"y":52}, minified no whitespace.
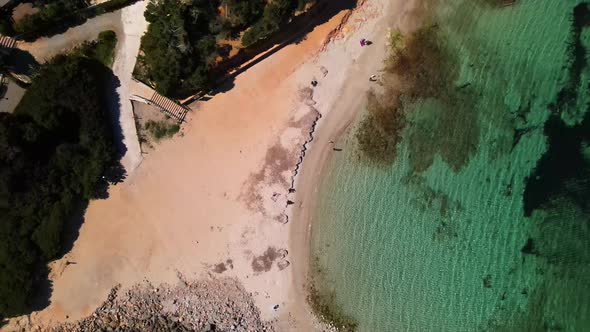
{"x":216,"y":304}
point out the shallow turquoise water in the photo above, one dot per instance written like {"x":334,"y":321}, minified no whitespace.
{"x":439,"y":247}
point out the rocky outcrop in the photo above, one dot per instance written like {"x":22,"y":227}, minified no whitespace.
{"x":219,"y":304}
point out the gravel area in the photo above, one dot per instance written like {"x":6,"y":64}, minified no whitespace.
{"x":217,"y":304}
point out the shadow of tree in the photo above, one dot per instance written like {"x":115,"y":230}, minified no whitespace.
{"x":21,"y":62}
{"x":293,"y":33}
{"x":115,"y":173}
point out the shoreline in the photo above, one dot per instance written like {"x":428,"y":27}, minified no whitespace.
{"x":341,"y":114}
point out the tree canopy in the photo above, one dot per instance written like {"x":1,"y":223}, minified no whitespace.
{"x":54,"y":16}
{"x":53,"y":150}
{"x":242,"y":14}
{"x":179,"y":47}
{"x":181,"y":44}
{"x":276,"y":13}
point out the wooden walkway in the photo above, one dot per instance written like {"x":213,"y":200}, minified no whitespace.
{"x":169,"y":107}
{"x":142,"y":92}
{"x":7,"y":42}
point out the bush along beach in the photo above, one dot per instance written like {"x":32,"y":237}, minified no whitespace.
{"x":420,"y":71}
{"x":55,"y":149}
{"x":184,"y":38}
{"x":57,"y":16}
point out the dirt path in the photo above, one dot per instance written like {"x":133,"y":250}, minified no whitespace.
{"x":134,"y":26}
{"x":129,"y":24}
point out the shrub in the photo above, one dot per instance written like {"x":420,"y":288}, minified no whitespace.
{"x":57,"y":16}
{"x":379,"y":131}
{"x":179,"y":47}
{"x":53,"y":150}
{"x":161,"y":129}
{"x":276,"y":13}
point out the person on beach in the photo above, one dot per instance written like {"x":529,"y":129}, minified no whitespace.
{"x":365,"y":42}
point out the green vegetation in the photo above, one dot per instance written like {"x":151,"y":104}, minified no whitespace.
{"x":182,"y":42}
{"x":379,"y":131}
{"x":161,"y":129}
{"x":53,"y":150}
{"x":102,"y":49}
{"x":50,"y":12}
{"x":56,"y":16}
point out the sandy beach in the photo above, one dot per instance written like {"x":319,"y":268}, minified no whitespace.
{"x":215,"y":200}
{"x":340,"y":109}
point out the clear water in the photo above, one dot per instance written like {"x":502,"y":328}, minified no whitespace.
{"x":434,"y":242}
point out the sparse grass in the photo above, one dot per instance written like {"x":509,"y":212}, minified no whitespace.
{"x":102,"y":49}
{"x":161,"y":129}
{"x":325,"y":307}
{"x":140,"y":130}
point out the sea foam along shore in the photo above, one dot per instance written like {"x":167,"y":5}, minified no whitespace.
{"x":340,"y":103}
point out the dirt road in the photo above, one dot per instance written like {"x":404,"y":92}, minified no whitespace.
{"x":129,"y":24}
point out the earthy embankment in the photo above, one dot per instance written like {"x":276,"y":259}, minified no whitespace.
{"x":214,"y":200}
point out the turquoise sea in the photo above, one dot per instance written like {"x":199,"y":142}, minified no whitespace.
{"x":482,"y":222}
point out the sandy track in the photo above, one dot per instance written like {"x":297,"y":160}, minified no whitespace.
{"x":129,"y":24}
{"x":187,"y":207}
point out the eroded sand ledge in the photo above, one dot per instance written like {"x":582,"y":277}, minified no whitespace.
{"x":211,"y":201}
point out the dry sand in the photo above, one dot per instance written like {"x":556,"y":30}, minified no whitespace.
{"x":212,"y":201}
